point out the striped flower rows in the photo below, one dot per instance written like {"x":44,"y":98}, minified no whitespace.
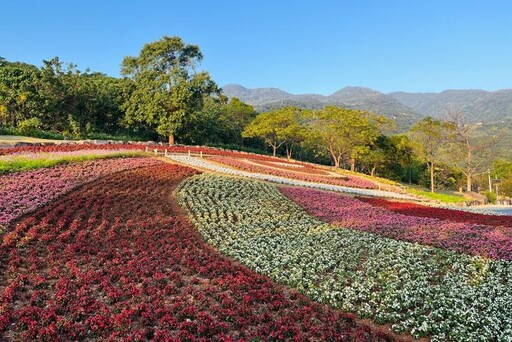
{"x":460,"y":232}
{"x":418,"y":289}
{"x":208,"y":165}
{"x":23,"y":192}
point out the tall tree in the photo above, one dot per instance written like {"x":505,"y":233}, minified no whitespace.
{"x":275,"y":127}
{"x":429,"y":138}
{"x":19,"y":98}
{"x":342,"y":132}
{"x":471,"y":146}
{"x":233,"y":120}
{"x":167,"y":89}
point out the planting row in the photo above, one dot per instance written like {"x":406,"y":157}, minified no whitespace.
{"x":170,"y":149}
{"x":353,"y":182}
{"x":300,"y":167}
{"x":208,"y":165}
{"x":471,"y":236}
{"x":462,"y":214}
{"x":113,"y":261}
{"x":418,"y":289}
{"x":60,"y":154}
{"x":23,"y":192}
{"x":23,"y":162}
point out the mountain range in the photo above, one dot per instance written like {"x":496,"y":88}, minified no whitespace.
{"x":489,"y":108}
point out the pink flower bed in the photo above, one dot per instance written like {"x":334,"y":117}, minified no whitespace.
{"x":62,"y":154}
{"x":469,"y":238}
{"x":352,"y":182}
{"x":23,"y":192}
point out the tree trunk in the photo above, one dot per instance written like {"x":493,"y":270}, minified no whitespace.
{"x":372,"y":173}
{"x":274,"y":149}
{"x":171,"y":139}
{"x":468,"y":170}
{"x":336,"y":160}
{"x":468,"y":181}
{"x":432,"y":185}
{"x":353,"y":164}
{"x":288,"y":153}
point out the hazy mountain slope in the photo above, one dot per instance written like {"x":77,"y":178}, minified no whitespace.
{"x":264,"y":99}
{"x":477,"y":105}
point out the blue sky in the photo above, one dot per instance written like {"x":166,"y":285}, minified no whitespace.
{"x":298,"y":46}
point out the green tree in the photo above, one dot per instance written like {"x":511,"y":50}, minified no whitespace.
{"x":167,"y":90}
{"x":344,"y":133}
{"x":19,"y":98}
{"x":275,"y":127}
{"x":429,"y":138}
{"x":233,"y":120}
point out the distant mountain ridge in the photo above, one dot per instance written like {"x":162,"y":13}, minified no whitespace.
{"x":406,"y":108}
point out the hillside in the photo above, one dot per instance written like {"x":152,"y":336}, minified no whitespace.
{"x":478,"y":105}
{"x":264,"y":99}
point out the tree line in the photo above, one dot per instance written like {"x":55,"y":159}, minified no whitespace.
{"x":162,"y":94}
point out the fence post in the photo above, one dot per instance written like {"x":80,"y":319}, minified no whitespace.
{"x":165,"y":152}
{"x":189,"y":153}
{"x":201,"y":154}
{"x":146,"y":148}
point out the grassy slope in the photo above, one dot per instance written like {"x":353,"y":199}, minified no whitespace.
{"x":21,"y":164}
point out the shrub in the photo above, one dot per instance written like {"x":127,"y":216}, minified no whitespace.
{"x":28,"y":125}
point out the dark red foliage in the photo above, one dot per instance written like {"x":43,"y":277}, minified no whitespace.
{"x":115,"y":261}
{"x":413,"y":209}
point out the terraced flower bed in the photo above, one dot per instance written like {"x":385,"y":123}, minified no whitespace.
{"x":115,"y":261}
{"x":345,"y":181}
{"x":140,"y":147}
{"x":413,"y":209}
{"x":299,"y":167}
{"x":26,"y":191}
{"x":489,"y":241}
{"x":422,"y":290}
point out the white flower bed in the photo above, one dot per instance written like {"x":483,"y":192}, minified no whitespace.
{"x":298,"y":166}
{"x":422,"y":290}
{"x":205,"y":164}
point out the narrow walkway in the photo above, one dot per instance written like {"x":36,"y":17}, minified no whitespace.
{"x":207,"y":165}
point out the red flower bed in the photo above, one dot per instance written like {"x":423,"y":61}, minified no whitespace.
{"x":353,"y":182}
{"x":114,"y":261}
{"x":413,"y":209}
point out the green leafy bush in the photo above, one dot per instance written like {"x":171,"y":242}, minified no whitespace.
{"x":491,"y":196}
{"x":25,"y":126}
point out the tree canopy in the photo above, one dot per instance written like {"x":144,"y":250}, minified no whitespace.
{"x":430,"y":137}
{"x":167,"y":89}
{"x":344,"y":133}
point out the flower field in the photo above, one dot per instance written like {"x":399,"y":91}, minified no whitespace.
{"x":464,"y":236}
{"x":465,"y":216}
{"x":100,"y":250}
{"x":303,"y":175}
{"x":206,"y":164}
{"x":130,"y":268}
{"x":419,"y":289}
{"x":25,"y":191}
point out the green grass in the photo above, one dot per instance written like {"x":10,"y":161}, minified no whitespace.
{"x":19,"y":164}
{"x":442,"y":197}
